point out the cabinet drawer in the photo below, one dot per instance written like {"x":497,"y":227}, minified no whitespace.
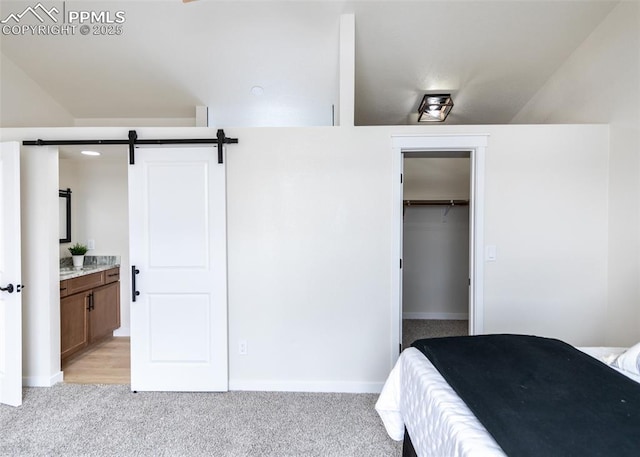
{"x":85,"y":282}
{"x":112,"y":275}
{"x":64,"y":291}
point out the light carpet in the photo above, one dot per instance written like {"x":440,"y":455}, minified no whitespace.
{"x":415,"y":329}
{"x":109,"y":420}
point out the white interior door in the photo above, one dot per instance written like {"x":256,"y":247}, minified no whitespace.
{"x":10,"y":272}
{"x":177,"y":220}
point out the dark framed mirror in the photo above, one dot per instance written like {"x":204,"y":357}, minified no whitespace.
{"x":65,"y":215}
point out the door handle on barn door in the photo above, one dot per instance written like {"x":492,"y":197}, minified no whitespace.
{"x":9,"y":288}
{"x":134,"y":292}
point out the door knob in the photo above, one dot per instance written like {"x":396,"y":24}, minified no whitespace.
{"x":9,"y":288}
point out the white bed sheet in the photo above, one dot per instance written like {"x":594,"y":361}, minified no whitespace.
{"x":440,"y":424}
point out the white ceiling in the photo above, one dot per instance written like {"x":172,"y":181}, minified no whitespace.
{"x":173,"y":56}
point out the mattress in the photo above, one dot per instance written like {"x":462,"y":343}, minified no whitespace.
{"x":415,"y":395}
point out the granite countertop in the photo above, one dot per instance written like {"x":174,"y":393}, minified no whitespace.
{"x":71,"y":272}
{"x":92,"y":264}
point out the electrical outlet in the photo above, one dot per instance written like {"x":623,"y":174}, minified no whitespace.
{"x":242,"y":347}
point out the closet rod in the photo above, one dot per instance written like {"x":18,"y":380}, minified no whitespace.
{"x":436,"y":202}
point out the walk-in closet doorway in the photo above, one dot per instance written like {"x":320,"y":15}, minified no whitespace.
{"x":435,"y":279}
{"x":471,"y":148}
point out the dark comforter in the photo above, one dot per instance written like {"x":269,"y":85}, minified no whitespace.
{"x":539,"y":396}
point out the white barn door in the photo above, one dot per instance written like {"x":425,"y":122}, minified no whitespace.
{"x":10,"y":274}
{"x":177,"y":220}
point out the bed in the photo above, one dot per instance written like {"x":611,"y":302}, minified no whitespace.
{"x":418,"y":405}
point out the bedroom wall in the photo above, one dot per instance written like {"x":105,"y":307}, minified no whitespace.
{"x":599,"y":83}
{"x":310,"y":244}
{"x":546,"y":212}
{"x":317,"y":231}
{"x":25,"y":103}
{"x":311,"y":235}
{"x":40,"y":274}
{"x":137,"y":122}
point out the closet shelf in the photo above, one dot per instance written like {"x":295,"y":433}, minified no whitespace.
{"x":436,"y":202}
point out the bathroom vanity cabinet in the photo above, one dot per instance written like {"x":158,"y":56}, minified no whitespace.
{"x":89,"y":310}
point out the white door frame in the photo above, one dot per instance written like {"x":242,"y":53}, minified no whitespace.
{"x":476,"y":144}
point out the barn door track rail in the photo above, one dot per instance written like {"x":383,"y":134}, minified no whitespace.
{"x":221,"y":139}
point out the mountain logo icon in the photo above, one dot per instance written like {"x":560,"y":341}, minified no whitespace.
{"x":39,"y":11}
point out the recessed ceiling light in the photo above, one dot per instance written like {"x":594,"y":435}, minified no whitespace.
{"x":257,"y":90}
{"x":90,"y":153}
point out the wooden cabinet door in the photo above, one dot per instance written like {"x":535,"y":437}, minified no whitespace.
{"x":104,"y":316}
{"x":73,"y":324}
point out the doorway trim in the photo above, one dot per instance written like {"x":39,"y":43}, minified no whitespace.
{"x":476,"y":144}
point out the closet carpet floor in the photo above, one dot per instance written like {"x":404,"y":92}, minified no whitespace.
{"x":415,"y":329}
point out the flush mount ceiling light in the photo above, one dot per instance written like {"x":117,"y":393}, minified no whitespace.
{"x":90,"y":153}
{"x":434,"y":107}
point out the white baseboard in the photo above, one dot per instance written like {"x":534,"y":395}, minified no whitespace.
{"x":437,"y":316}
{"x":305,"y":386}
{"x":122,"y":331}
{"x":42,"y":381}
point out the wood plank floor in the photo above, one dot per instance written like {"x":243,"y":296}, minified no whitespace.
{"x":107,"y":363}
